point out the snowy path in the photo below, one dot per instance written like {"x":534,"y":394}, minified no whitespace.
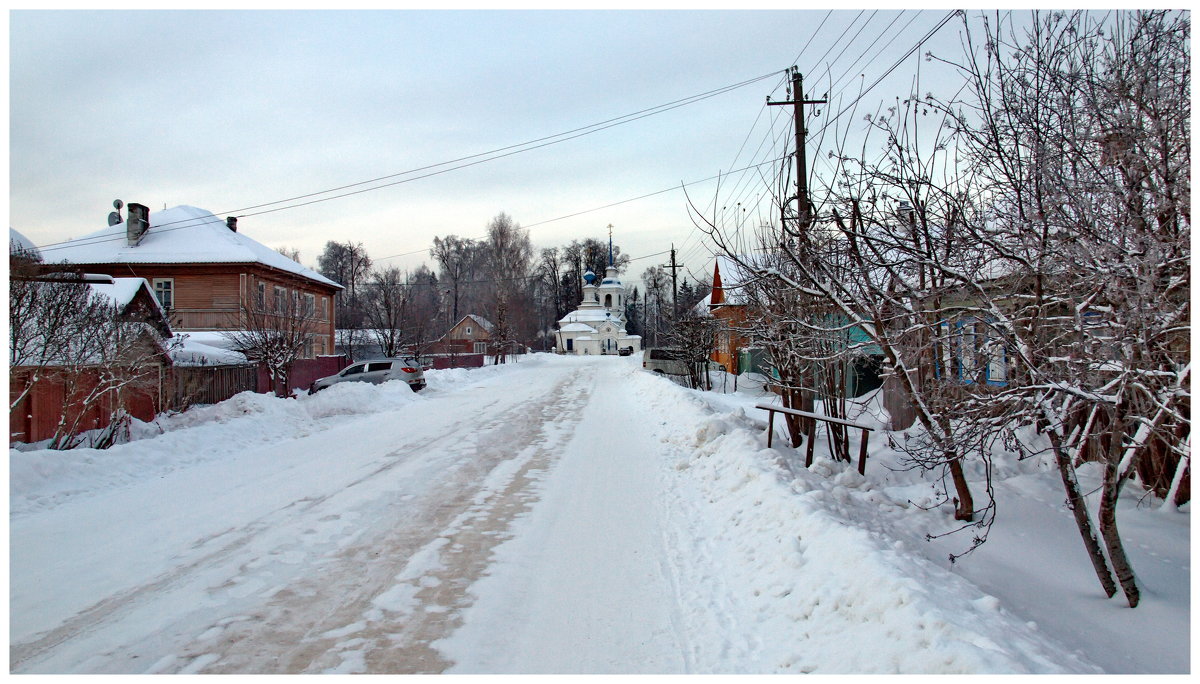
{"x":297,"y":557}
{"x":587,"y":588}
{"x":558,"y":515}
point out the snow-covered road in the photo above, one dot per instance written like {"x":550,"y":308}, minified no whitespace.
{"x":286,"y":557}
{"x":555,"y":515}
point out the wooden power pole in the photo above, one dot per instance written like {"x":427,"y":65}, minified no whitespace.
{"x":803,"y":210}
{"x":800,"y":397}
{"x":674,"y":282}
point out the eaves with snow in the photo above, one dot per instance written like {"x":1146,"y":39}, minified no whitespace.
{"x":481,"y":322}
{"x":179,"y":235}
{"x":18,"y":244}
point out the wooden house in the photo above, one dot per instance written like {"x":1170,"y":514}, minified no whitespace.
{"x":55,"y":394}
{"x":470,"y":335}
{"x":203,"y":271}
{"x":727,"y":302}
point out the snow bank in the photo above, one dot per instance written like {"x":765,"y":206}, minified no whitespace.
{"x":40,"y":478}
{"x":45,"y":478}
{"x":848,"y":598}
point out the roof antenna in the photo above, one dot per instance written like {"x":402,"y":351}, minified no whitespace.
{"x":114,"y":217}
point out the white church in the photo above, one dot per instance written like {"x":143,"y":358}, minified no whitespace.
{"x":598,"y":325}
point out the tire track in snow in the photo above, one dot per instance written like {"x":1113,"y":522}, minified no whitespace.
{"x":379,"y":604}
{"x":74,"y":633}
{"x":232,"y":540}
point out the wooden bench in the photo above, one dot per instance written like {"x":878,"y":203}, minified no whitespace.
{"x":772,"y":409}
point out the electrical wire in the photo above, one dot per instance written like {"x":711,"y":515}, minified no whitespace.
{"x":950,"y":15}
{"x":594,"y":209}
{"x":579,"y":132}
{"x":494,"y":154}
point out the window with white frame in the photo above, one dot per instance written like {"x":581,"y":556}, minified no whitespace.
{"x":260,"y":296}
{"x":164,"y":289}
{"x":280,"y":299}
{"x":310,"y":304}
{"x":481,"y":347}
{"x":971,"y":352}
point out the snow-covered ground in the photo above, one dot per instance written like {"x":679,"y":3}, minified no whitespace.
{"x":558,"y":514}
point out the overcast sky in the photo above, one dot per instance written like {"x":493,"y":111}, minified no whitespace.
{"x":225,"y":110}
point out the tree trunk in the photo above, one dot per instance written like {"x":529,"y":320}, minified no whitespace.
{"x":1180,"y":492}
{"x":792,"y":399}
{"x":964,"y":505}
{"x":1078,"y":506}
{"x":1112,"y":538}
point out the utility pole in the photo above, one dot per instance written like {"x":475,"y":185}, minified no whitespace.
{"x":803,"y":213}
{"x":801,"y":398}
{"x":674,"y":282}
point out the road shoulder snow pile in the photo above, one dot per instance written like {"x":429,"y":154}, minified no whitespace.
{"x":807,"y":590}
{"x":42,"y":478}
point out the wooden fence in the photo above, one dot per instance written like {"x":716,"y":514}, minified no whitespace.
{"x":42,"y":406}
{"x":191,"y":385}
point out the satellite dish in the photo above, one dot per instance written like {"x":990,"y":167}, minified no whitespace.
{"x":114,"y":218}
{"x":117,"y":204}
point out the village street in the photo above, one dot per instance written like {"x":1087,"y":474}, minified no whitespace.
{"x":360,"y":542}
{"x":559,"y":514}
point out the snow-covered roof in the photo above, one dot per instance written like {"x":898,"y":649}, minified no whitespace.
{"x":204,"y":349}
{"x":481,"y":321}
{"x":586,"y":316}
{"x":121,"y":291}
{"x":577,"y":327}
{"x":179,"y":235}
{"x":19,"y":243}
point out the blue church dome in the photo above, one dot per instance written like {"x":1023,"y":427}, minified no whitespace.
{"x":589,"y":277}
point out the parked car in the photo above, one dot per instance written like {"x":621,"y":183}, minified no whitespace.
{"x":376,"y":371}
{"x":665,"y":360}
{"x":625,"y":351}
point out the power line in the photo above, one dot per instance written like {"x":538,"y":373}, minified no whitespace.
{"x":839,"y":38}
{"x":810,"y":38}
{"x":865,"y":91}
{"x":853,"y":38}
{"x":950,"y":15}
{"x":602,"y":125}
{"x":569,"y":135}
{"x":594,"y":209}
{"x":490,"y":155}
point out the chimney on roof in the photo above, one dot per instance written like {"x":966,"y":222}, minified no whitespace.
{"x":231,"y":222}
{"x":137,"y":224}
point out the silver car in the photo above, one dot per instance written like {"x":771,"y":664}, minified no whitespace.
{"x":376,"y":371}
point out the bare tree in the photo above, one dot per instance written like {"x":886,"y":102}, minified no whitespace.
{"x":1080,"y":134}
{"x":656,"y":314}
{"x":694,"y":335}
{"x":1019,"y":256}
{"x":292,"y":253}
{"x":347,"y":264}
{"x":508,"y":269}
{"x":459,"y":260}
{"x":61,"y":332}
{"x":386,"y":309}
{"x":424,"y":303}
{"x":275,"y":335}
{"x":501,"y":334}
